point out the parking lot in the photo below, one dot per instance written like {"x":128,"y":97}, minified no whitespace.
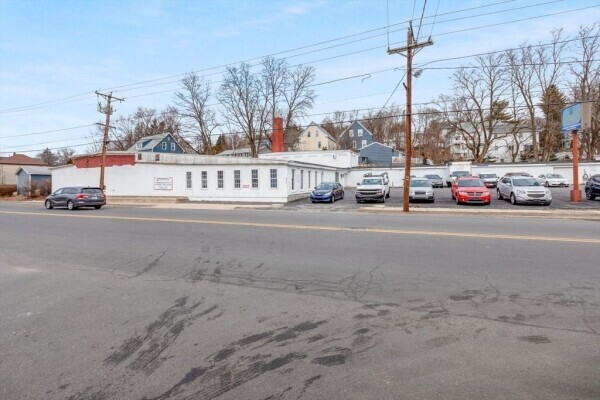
{"x":443,"y":199}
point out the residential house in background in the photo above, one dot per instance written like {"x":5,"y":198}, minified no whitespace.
{"x":33,"y":176}
{"x":377,"y":155}
{"x":507,"y":143}
{"x":313,"y":137}
{"x":10,"y":165}
{"x":163,"y":143}
{"x":246,"y":152}
{"x":356,"y":136}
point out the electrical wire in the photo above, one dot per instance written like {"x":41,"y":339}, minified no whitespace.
{"x":421,"y":22}
{"x":60,"y":101}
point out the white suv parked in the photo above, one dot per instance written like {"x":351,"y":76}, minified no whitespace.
{"x":523,"y":190}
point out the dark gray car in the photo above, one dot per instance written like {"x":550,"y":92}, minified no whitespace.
{"x":75,"y":197}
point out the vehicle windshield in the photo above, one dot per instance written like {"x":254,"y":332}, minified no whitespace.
{"x":525,"y":182}
{"x":325,"y":186}
{"x":419,"y":183}
{"x":461,"y":173}
{"x":554,"y":176}
{"x":470,"y":183}
{"x":371,"y":181}
{"x":487,"y":176}
{"x":433,"y":177}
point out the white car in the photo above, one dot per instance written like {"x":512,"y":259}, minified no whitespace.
{"x":523,"y":190}
{"x":553,"y":180}
{"x":421,"y":189}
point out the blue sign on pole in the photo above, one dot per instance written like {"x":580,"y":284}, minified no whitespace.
{"x":570,"y":118}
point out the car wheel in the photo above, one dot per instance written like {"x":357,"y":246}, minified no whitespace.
{"x":452,"y":194}
{"x":498,"y":194}
{"x":548,"y":203}
{"x":458,"y":202}
{"x":97,"y":207}
{"x":589,"y":195}
{"x":342,"y":198}
{"x":332,"y":197}
{"x":388,"y":195}
{"x":513,"y":199}
{"x":70,"y":205}
{"x":383,"y":199}
{"x":432,"y":201}
{"x":312,"y":201}
{"x":48,"y":205}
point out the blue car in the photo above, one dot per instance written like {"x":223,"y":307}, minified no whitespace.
{"x":327,"y":191}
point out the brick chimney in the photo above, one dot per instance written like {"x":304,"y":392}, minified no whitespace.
{"x":277,"y":137}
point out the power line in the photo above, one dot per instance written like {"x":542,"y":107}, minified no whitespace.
{"x":421,"y":22}
{"x":434,"y":17}
{"x":60,"y":101}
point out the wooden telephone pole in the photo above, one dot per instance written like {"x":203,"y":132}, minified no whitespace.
{"x":410,"y":46}
{"x":108,"y":110}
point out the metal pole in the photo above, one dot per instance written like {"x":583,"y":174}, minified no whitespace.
{"x":575,"y":192}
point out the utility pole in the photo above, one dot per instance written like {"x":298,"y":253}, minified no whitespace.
{"x":410,"y":46}
{"x":108,"y":110}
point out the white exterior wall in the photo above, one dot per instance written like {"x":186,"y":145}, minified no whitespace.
{"x":139,"y":180}
{"x":337,"y":159}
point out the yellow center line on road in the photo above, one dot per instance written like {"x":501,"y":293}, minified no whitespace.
{"x":321,"y":228}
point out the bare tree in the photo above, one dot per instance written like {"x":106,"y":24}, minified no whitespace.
{"x":245,"y":108}
{"x":429,"y":140}
{"x":48,"y":157}
{"x":335,"y":124}
{"x":288,"y":94}
{"x":477,"y":108}
{"x":200,"y":121}
{"x":585,"y":69}
{"x":64,"y":156}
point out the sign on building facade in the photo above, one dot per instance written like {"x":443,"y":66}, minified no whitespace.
{"x":163,"y":183}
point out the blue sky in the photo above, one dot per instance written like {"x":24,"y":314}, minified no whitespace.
{"x":54,"y":54}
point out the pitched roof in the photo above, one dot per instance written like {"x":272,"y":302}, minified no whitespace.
{"x":34,"y":170}
{"x":362,"y":126}
{"x":321,"y":129}
{"x":152,"y":142}
{"x":21,"y":159}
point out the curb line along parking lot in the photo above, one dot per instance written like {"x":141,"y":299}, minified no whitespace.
{"x":320,"y":228}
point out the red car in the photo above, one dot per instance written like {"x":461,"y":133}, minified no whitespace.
{"x":469,"y":189}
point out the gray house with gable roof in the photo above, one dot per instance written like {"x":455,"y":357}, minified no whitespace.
{"x":355,"y":137}
{"x":163,"y":143}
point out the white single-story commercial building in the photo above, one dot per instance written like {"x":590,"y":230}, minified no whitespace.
{"x":196,"y":177}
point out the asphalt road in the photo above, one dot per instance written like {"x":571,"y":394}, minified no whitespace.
{"x":143,"y":303}
{"x":443,"y":199}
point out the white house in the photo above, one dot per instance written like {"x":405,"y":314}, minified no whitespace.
{"x":504,"y":143}
{"x":200,"y":178}
{"x":313,"y":137}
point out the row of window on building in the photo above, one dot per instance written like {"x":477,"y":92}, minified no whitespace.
{"x":308,"y":175}
{"x":237,"y":179}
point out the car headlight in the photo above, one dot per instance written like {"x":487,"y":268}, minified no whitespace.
{"x":462,"y":193}
{"x":429,"y":191}
{"x":520,"y":192}
{"x":548,"y":192}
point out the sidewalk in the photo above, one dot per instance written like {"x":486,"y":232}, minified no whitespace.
{"x":548,"y":213}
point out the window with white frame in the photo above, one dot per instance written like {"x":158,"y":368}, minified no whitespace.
{"x":319,"y":144}
{"x":308,"y":134}
{"x":354,"y":144}
{"x":172,"y":146}
{"x":301,"y":179}
{"x":293,"y":180}
{"x":204,"y":179}
{"x":309,"y":175}
{"x":316,"y":183}
{"x":220,"y":179}
{"x":237,"y":180}
{"x":364,"y":143}
{"x":139,"y":156}
{"x":157,"y":157}
{"x":164,"y":145}
{"x":188,"y":180}
{"x":254,"y":179}
{"x":140,"y":145}
{"x":317,"y":134}
{"x":351,"y":133}
{"x":360,"y":131}
{"x":273,"y":175}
